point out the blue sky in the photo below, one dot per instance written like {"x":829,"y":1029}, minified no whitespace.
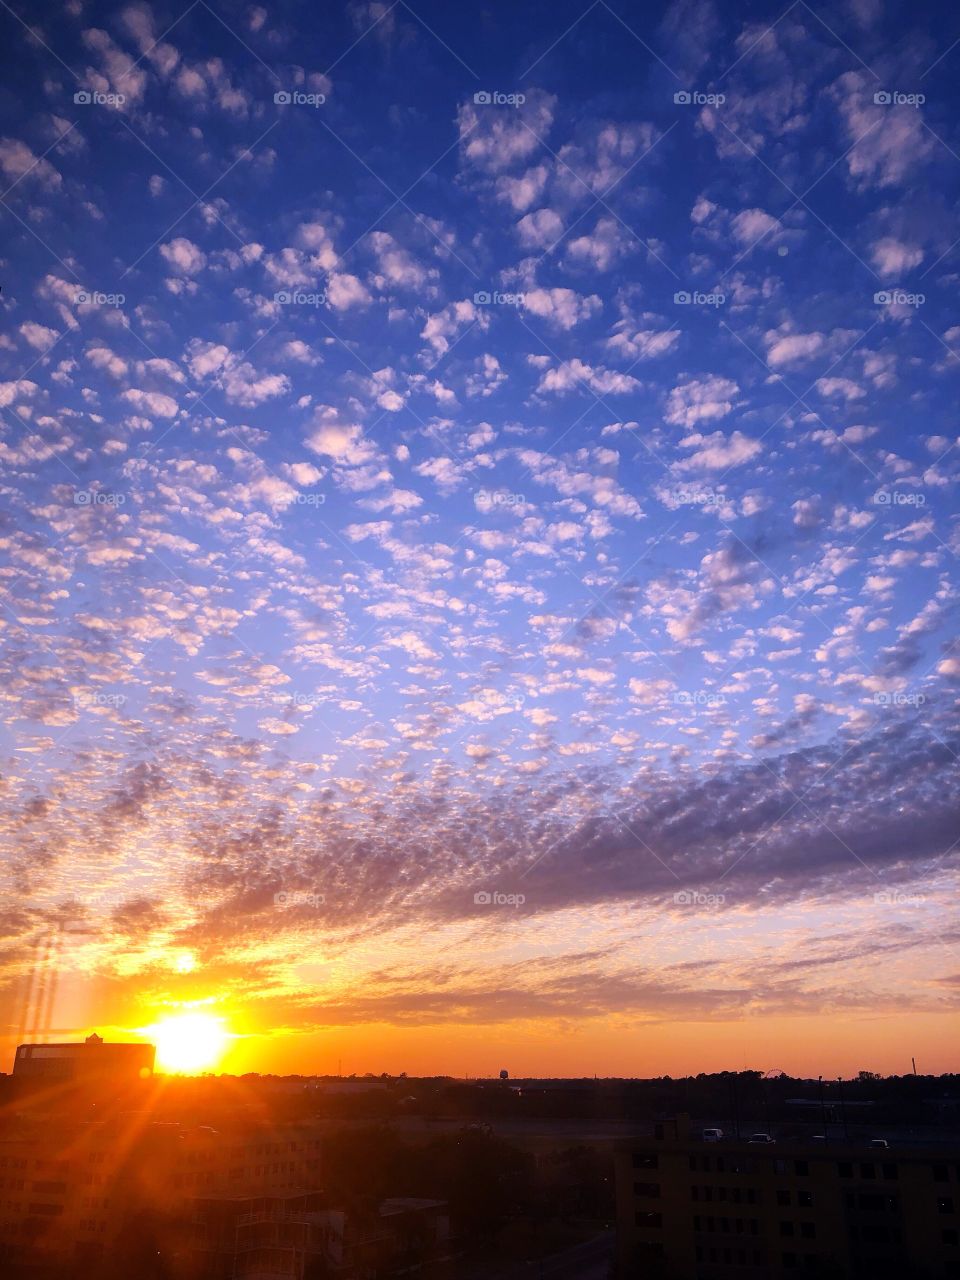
{"x":505,"y":453}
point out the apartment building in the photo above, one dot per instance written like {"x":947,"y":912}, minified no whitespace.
{"x":286,"y":1236}
{"x":694,"y":1210}
{"x":73,"y":1194}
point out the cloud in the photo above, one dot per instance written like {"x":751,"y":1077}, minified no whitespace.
{"x":563,"y":308}
{"x":494,"y":138}
{"x":183,"y":256}
{"x":701,"y":400}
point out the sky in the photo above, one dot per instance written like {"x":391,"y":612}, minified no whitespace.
{"x":479,"y":540}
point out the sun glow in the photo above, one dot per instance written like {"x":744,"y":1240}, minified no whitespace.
{"x":189,"y":1042}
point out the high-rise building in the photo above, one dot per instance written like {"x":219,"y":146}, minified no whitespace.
{"x":89,"y":1061}
{"x":711,"y":1210}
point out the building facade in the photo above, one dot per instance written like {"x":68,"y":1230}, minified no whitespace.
{"x":694,"y":1210}
{"x":84,"y":1062}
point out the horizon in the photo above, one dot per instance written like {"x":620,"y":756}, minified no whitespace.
{"x":479,"y":564}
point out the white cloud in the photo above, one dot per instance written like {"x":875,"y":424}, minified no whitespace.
{"x":700,"y":400}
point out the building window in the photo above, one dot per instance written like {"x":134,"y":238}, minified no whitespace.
{"x":808,"y":1230}
{"x":643,"y":1161}
{"x":890,"y":1172}
{"x":649,"y":1220}
{"x":949,"y":1236}
{"x":845,"y":1169}
{"x":945,"y":1204}
{"x":801,"y":1168}
{"x":786,"y":1228}
{"x":783,"y":1197}
{"x":867,"y":1170}
{"x":805,"y":1199}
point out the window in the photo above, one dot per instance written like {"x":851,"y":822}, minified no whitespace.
{"x":845,"y":1169}
{"x":890,"y":1172}
{"x":783,"y":1197}
{"x":949,"y":1235}
{"x":786,"y":1228}
{"x":643,"y":1161}
{"x":805,"y":1199}
{"x":867,"y":1170}
{"x":945,"y":1204}
{"x":875,"y":1234}
{"x":649,"y":1220}
{"x":808,"y":1230}
{"x":801,"y":1168}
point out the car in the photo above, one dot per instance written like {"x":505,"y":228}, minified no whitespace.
{"x":712,"y":1135}
{"x":761,"y":1139}
{"x":879,"y":1142}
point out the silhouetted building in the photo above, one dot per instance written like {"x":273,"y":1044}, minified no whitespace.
{"x":93,"y":1060}
{"x":110,"y":1197}
{"x":694,"y":1210}
{"x":294,"y":1234}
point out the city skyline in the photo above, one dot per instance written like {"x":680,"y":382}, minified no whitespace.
{"x":479,"y":563}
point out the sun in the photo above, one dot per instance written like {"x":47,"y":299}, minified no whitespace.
{"x":188,"y":1042}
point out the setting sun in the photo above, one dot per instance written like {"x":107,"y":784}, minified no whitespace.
{"x":189,"y":1042}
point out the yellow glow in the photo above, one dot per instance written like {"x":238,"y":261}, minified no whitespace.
{"x":185,"y":963}
{"x":189,"y":1042}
